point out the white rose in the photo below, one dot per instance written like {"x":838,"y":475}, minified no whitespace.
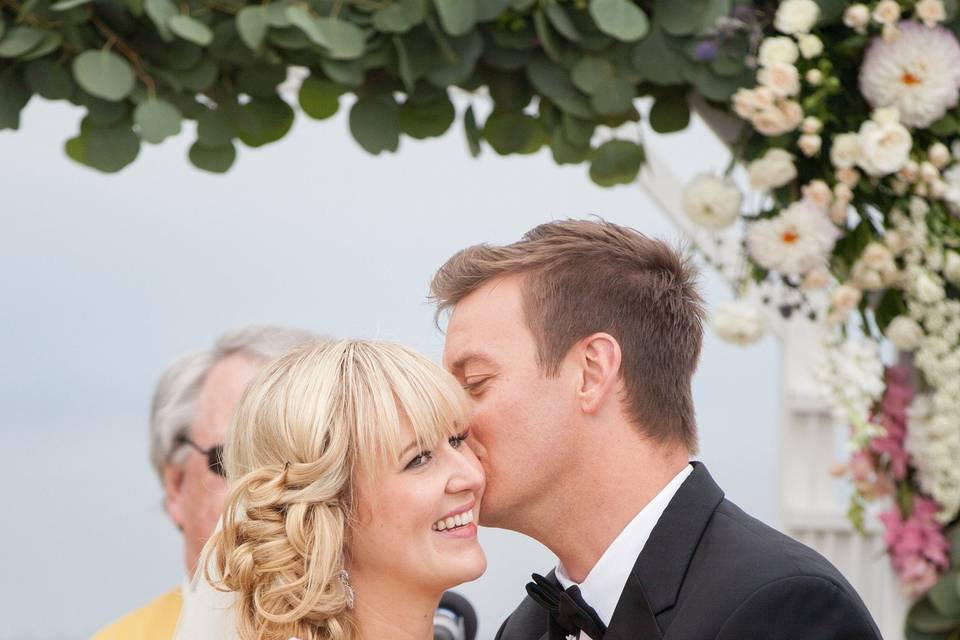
{"x":886,"y":12}
{"x":845,"y":150}
{"x":896,"y":241}
{"x":779,"y":49}
{"x":739,"y":322}
{"x":876,"y":256}
{"x":712,"y":202}
{"x":814,"y":77}
{"x":845,"y":299}
{"x":809,"y":144}
{"x":848,"y":176}
{"x":938,"y":155}
{"x":843,"y":192}
{"x":884,"y":148}
{"x":811,"y":124}
{"x":817,"y":193}
{"x":781,"y":78}
{"x":931,"y":12}
{"x":774,"y":169}
{"x":796,"y":16}
{"x":927,"y":289}
{"x":810,"y":46}
{"x":910,"y":171}
{"x":814,"y":280}
{"x":928,"y":172}
{"x":904,"y":333}
{"x":857,"y":17}
{"x":951,"y":268}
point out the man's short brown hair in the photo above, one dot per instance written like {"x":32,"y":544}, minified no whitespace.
{"x":582,"y":277}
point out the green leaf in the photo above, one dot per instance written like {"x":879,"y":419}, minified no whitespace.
{"x":548,"y":41}
{"x":561,"y":21}
{"x":14,"y":96}
{"x":589,"y":73}
{"x":191,"y":30}
{"x":157,"y":119}
{"x":262,"y":80}
{"x":160,"y":12}
{"x":621,"y":19}
{"x":214,"y":129}
{"x":510,"y":131}
{"x":510,"y":91}
{"x":107,"y":149}
{"x":656,"y":60}
{"x":50,"y":80}
{"x":924,"y":617}
{"x":3,"y":27}
{"x":374,"y":124}
{"x":344,"y":40}
{"x":20,"y":40}
{"x":400,"y":16}
{"x":277,"y":14}
{"x":954,"y":536}
{"x":577,"y":131}
{"x":320,"y":98}
{"x":944,"y":597}
{"x":681,"y":18}
{"x":472,"y":132}
{"x":670,"y":113}
{"x":50,"y":43}
{"x":614,"y":96}
{"x":253,"y":22}
{"x":201,"y":77}
{"x":457,"y":16}
{"x":262,"y":121}
{"x":467,"y":51}
{"x":565,"y":152}
{"x":104,"y":74}
{"x":65,"y":5}
{"x":890,"y":306}
{"x":102,"y":113}
{"x":551,"y":79}
{"x":616,"y":162}
{"x":347,"y":72}
{"x":945,"y":126}
{"x":213,"y":159}
{"x":488,"y":10}
{"x":426,"y":120}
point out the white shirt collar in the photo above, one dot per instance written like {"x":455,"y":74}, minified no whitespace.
{"x":602,"y":587}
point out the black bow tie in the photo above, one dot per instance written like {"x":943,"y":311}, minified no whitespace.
{"x":569,"y":614}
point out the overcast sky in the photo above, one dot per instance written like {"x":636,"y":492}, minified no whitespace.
{"x":104,"y":279}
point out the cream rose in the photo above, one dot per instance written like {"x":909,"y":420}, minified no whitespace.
{"x":884,"y":148}
{"x":712,"y":202}
{"x":774,"y":169}
{"x":857,"y":17}
{"x":779,"y":49}
{"x":845,"y":150}
{"x":886,"y":12}
{"x":796,"y":16}
{"x":739,"y":322}
{"x":810,"y":144}
{"x":931,"y":12}
{"x":781,"y":78}
{"x":818,"y":193}
{"x":810,"y":46}
{"x":904,"y":333}
{"x":951,"y":267}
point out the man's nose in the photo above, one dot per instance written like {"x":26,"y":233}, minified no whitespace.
{"x":466,"y":475}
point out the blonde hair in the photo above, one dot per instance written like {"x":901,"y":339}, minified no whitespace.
{"x":306,"y":426}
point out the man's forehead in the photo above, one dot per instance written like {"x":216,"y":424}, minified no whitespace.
{"x":481,"y":322}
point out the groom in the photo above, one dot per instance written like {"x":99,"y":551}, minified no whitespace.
{"x":577,"y":345}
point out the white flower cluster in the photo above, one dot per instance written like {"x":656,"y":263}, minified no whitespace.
{"x":796,"y":241}
{"x":770,"y":107}
{"x":932,"y":330}
{"x":875,"y":268}
{"x":851,"y":377}
{"x":739,"y":321}
{"x":712,"y":202}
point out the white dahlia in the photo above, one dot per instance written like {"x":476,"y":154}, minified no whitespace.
{"x":712,"y":202}
{"x":795,"y":242}
{"x":918,"y":73}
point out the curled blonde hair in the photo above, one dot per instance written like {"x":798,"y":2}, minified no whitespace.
{"x":305,"y":427}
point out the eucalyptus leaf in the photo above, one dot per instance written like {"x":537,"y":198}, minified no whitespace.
{"x":50,"y":80}
{"x":320,"y":98}
{"x":590,"y":73}
{"x":656,"y":61}
{"x":467,"y":51}
{"x":612,"y":97}
{"x":429,"y":120}
{"x":565,"y":152}
{"x":19,"y":40}
{"x":160,"y":12}
{"x":50,"y":43}
{"x":944,"y":596}
{"x":201,"y":77}
{"x":681,"y":18}
{"x":262,"y":121}
{"x":157,"y":120}
{"x":191,"y":30}
{"x":375,"y":125}
{"x":923,"y":616}
{"x":214,"y":129}
{"x":253,"y":23}
{"x":66,"y":5}
{"x":104,"y":74}
{"x":561,"y":21}
{"x":670,"y":113}
{"x":621,"y":19}
{"x":344,"y":40}
{"x":213,"y":159}
{"x":347,"y":72}
{"x":14,"y":96}
{"x":551,"y":79}
{"x":510,"y":131}
{"x":400,"y":16}
{"x":488,"y":10}
{"x":457,"y":16}
{"x":548,"y":41}
{"x":616,"y":162}
{"x":472,"y":132}
{"x":106,"y":149}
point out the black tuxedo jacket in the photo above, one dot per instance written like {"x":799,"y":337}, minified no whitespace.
{"x":711,"y":572}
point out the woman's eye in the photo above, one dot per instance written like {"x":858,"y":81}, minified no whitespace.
{"x":457,"y":440}
{"x":419,"y":460}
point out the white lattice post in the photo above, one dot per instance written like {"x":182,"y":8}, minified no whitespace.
{"x":812,"y":504}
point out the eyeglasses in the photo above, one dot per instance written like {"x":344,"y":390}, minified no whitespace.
{"x":214,"y":454}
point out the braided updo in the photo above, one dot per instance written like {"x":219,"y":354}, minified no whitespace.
{"x":305,"y":427}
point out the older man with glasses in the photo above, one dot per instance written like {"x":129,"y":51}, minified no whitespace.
{"x":193,"y":405}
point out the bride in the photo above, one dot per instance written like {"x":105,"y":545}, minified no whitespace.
{"x":352,"y":504}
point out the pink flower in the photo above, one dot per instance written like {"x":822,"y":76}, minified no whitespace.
{"x":917,"y":546}
{"x":891,"y":414}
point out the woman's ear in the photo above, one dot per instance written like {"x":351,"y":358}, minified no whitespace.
{"x":172,"y":493}
{"x":600,"y":359}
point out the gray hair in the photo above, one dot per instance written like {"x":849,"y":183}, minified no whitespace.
{"x":175,"y":399}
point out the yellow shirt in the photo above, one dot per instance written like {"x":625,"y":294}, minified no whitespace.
{"x":155,"y":621}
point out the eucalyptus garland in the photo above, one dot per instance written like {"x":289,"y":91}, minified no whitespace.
{"x":554,"y":70}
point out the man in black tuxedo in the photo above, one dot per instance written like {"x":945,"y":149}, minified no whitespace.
{"x":577,"y":345}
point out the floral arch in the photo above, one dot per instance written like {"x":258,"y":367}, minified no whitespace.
{"x":845,"y":115}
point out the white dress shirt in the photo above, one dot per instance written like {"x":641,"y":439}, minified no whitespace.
{"x":602,"y":587}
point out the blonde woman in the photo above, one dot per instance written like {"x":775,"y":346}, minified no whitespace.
{"x":353,"y":494}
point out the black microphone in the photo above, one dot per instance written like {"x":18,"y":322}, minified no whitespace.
{"x":455,"y":618}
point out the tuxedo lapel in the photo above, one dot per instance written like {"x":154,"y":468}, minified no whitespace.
{"x":654,"y":583}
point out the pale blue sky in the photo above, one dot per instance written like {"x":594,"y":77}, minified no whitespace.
{"x":104,"y":279}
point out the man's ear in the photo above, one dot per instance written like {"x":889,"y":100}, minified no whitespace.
{"x":600,"y":359}
{"x":173,"y":493}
